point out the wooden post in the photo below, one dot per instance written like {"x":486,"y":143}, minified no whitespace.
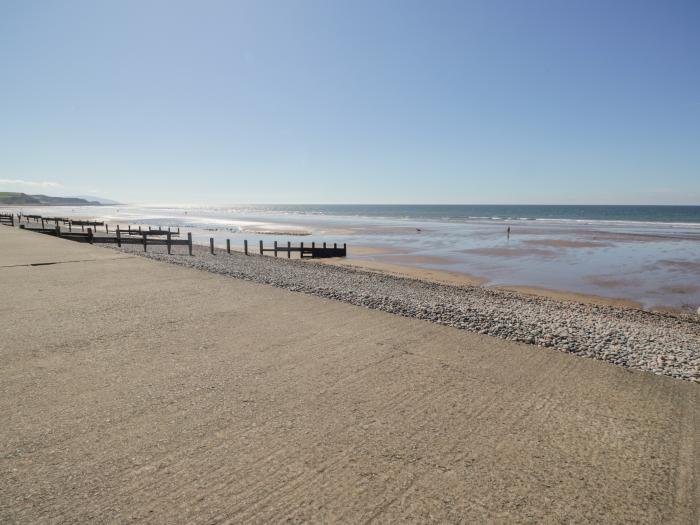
{"x":90,"y":235}
{"x":335,"y":246}
{"x":228,"y":245}
{"x":289,"y":250}
{"x":245,"y":246}
{"x":211,"y":245}
{"x":70,"y":226}
{"x":275,"y":248}
{"x":145,"y":242}
{"x":168,"y":241}
{"x":324,"y":245}
{"x":301,"y":250}
{"x":107,"y":228}
{"x":119,"y":237}
{"x":189,"y":241}
{"x":313,"y":245}
{"x":261,"y":248}
{"x":42,"y":223}
{"x":82,"y":227}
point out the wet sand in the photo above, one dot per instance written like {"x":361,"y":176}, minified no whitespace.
{"x":423,"y":274}
{"x":514,"y":251}
{"x":685,"y":266}
{"x":142,"y":391}
{"x":373,"y":230}
{"x":576,"y":297}
{"x":652,"y":265}
{"x":272,"y":231}
{"x":459,"y":278}
{"x":561,"y":243}
{"x":396,"y":261}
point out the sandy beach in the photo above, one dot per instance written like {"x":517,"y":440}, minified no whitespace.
{"x":136,"y":390}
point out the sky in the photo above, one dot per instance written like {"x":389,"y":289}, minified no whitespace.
{"x":381,"y":101}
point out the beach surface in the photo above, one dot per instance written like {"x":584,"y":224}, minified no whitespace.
{"x":136,"y":390}
{"x":641,"y":256}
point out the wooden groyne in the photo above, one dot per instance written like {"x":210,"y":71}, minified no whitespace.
{"x":149,"y":231}
{"x":155,"y":237}
{"x":313,"y":251}
{"x":305,"y":251}
{"x":92,"y":238}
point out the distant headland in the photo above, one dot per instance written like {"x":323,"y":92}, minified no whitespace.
{"x":23,"y":199}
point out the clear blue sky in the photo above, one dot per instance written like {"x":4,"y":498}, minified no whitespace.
{"x":374,"y":102}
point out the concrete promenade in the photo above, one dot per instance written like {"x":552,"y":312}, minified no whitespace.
{"x":138,"y":391}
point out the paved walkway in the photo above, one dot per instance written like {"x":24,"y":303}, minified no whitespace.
{"x":137,"y":390}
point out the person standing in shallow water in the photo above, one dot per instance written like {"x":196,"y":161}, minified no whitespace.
{"x":508,"y":232}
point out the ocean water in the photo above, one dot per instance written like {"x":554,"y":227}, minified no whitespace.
{"x":647,"y":254}
{"x":465,"y":213}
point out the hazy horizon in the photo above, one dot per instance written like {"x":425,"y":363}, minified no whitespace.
{"x":230,"y":204}
{"x":225,"y":203}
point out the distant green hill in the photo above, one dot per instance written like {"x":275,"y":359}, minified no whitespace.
{"x":15,"y":198}
{"x":9,"y":197}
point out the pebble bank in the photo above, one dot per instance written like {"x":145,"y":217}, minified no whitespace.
{"x":660,"y":343}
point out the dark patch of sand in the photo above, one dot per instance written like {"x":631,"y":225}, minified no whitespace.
{"x":573,"y":296}
{"x":612,"y":282}
{"x":514,"y":251}
{"x":642,"y":237}
{"x":680,"y":265}
{"x":418,"y":259}
{"x":678,"y":289}
{"x":561,"y":243}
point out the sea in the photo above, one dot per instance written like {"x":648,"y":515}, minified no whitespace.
{"x":471,"y":212}
{"x":646,"y":254}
